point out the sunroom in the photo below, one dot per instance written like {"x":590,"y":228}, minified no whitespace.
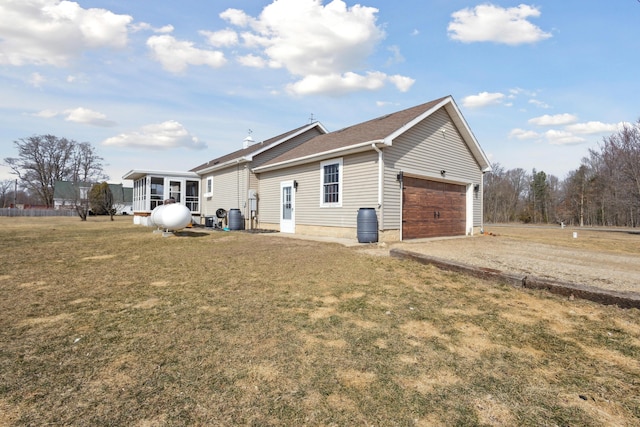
{"x":153,"y":188}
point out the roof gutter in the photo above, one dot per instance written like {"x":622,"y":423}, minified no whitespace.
{"x":228,"y":163}
{"x":356,"y":148}
{"x":135,"y":174}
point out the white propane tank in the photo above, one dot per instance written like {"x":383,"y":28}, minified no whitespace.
{"x":171,"y":217}
{"x":175,"y":216}
{"x":156,"y":216}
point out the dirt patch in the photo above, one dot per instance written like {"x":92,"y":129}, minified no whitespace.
{"x":97,"y":257}
{"x":564,"y":260}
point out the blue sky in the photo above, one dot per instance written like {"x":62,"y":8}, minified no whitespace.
{"x":167,"y":85}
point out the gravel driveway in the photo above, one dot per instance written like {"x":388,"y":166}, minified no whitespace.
{"x":604,"y":270}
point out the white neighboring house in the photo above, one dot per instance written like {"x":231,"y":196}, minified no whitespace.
{"x":122,"y":199}
{"x":67,"y":194}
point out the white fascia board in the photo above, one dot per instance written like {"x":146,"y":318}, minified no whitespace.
{"x":244,"y":159}
{"x":421,"y":117}
{"x":249,"y":157}
{"x":467,"y":134}
{"x":343,"y":151}
{"x":285,"y":139}
{"x":139,"y":173}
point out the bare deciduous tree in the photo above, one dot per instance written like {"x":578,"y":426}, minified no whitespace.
{"x":604,"y":190}
{"x":5,"y":187}
{"x":44,"y":159}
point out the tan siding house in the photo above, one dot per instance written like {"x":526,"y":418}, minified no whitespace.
{"x":333,"y":176}
{"x":230,"y":177}
{"x":418,"y":172}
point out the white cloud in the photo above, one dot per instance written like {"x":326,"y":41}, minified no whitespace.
{"x":560,"y":137}
{"x":340,"y":84}
{"x":52,"y":32}
{"x":401,"y":82}
{"x":396,"y":56}
{"x":46,"y":114}
{"x":516,"y":91}
{"x":236,"y":17}
{"x":482,"y":99}
{"x":594,"y":127}
{"x":252,"y":61}
{"x":555,"y":120}
{"x":222,"y":38}
{"x":143,"y":26}
{"x":490,"y":23}
{"x":88,"y":117}
{"x":523,"y":134}
{"x":159,"y":136}
{"x":337,"y":84}
{"x":78,"y":115}
{"x":325,"y":46}
{"x":175,"y":56}
{"x":36,"y":79}
{"x":539,"y":104}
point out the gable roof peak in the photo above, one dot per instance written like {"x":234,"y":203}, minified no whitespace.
{"x":247,"y":152}
{"x":382,"y":129}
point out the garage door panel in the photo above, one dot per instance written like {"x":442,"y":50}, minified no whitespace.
{"x":433,"y":209}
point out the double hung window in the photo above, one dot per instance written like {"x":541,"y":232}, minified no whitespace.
{"x":208,"y":190}
{"x":331,"y":178}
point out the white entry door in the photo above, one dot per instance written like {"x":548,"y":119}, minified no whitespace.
{"x":287,"y":207}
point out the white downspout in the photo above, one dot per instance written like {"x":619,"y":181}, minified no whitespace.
{"x":380,"y":172}
{"x":380,"y":182}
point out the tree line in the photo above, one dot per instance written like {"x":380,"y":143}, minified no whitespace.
{"x":43,"y":160}
{"x":603,"y":191}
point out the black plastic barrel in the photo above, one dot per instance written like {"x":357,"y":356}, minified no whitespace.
{"x":236,"y":221}
{"x":367,"y":225}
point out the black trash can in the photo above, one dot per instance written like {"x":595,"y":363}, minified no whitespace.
{"x":236,"y":221}
{"x":367,"y":225}
{"x":209,"y":221}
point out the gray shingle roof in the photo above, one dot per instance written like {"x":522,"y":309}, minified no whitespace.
{"x":244,"y":152}
{"x":372,"y":130}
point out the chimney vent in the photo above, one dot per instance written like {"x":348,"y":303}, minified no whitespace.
{"x":248,"y":140}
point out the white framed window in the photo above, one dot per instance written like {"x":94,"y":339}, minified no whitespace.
{"x":175,"y":191}
{"x":84,"y":193}
{"x":157,"y":192}
{"x":331,"y":183}
{"x":208,"y":189}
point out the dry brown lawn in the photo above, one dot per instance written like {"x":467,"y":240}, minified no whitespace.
{"x":107,"y":323}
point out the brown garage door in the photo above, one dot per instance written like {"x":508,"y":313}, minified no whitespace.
{"x":432,"y":209}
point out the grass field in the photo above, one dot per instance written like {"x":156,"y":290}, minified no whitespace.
{"x":106,"y":323}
